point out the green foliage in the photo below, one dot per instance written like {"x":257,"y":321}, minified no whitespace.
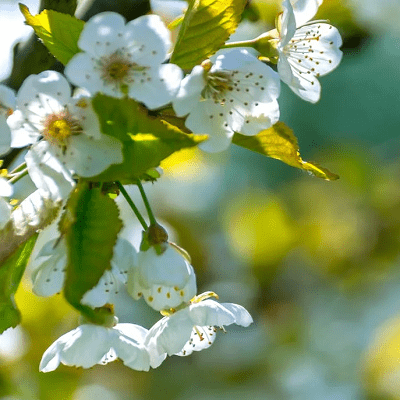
{"x":90,"y":224}
{"x":59,"y":32}
{"x":279,"y":142}
{"x":10,"y":276}
{"x":147,"y":140}
{"x":205,"y":28}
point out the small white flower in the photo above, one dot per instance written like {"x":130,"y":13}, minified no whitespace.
{"x":89,"y":344}
{"x":7,"y":105}
{"x":238,"y":94}
{"x":49,"y":272}
{"x":121,"y":59}
{"x":192,"y":328}
{"x":306,"y":52}
{"x":164,"y":280}
{"x":68,"y":126}
{"x":6,"y":190}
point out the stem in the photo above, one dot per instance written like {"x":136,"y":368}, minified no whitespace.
{"x":146,"y":203}
{"x":19,"y":176}
{"x":132,"y":204}
{"x":244,"y":43}
{"x":18,"y":169}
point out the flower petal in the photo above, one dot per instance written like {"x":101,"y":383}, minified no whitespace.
{"x":200,"y":339}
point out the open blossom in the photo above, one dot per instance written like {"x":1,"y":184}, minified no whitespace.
{"x":192,"y":328}
{"x":306,"y":52}
{"x":7,"y":105}
{"x":89,"y":345}
{"x":164,"y":280}
{"x":6,"y":190}
{"x":66,"y":127}
{"x":237,"y":94}
{"x":121,"y":59}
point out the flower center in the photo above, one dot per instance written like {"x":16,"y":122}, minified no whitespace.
{"x":218,"y":83}
{"x":118,"y":71}
{"x":59,"y":127}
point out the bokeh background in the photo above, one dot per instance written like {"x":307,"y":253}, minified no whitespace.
{"x":316,"y":263}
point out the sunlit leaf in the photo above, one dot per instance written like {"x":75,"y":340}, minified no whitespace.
{"x":59,"y":32}
{"x":206,"y":26}
{"x":10,"y":276}
{"x":147,"y":140}
{"x":90,"y":225}
{"x":279,"y":142}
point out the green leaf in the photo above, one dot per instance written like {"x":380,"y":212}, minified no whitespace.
{"x":90,"y":224}
{"x":147,"y":140}
{"x":206,"y":26}
{"x":10,"y":276}
{"x":279,"y":142}
{"x":59,"y":32}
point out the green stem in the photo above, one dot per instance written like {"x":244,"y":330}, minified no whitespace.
{"x":244,"y":43}
{"x":18,"y":169}
{"x":132,"y":204}
{"x":146,"y":203}
{"x":19,"y":176}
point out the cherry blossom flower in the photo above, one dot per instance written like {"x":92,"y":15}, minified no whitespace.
{"x":64,"y":126}
{"x":90,"y":344}
{"x":7,"y":105}
{"x":191,"y":328}
{"x":236,"y":94}
{"x":306,"y":51}
{"x":165,"y":280}
{"x":121,"y":59}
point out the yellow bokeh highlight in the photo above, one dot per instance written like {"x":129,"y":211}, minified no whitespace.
{"x":258,"y":228}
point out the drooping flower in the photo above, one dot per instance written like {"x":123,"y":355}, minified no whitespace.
{"x":306,"y":51}
{"x":236,"y":94}
{"x":6,"y":190}
{"x":66,"y":127}
{"x":90,"y":344}
{"x":121,"y":59}
{"x":49,"y":272}
{"x":163,"y":276}
{"x":7,"y":105}
{"x":192,"y":328}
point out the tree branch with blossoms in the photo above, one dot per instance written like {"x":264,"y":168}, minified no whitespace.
{"x":128,"y":99}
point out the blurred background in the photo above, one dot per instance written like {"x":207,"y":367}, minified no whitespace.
{"x":316,"y":263}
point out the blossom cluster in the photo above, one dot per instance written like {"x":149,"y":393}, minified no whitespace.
{"x":235,"y":92}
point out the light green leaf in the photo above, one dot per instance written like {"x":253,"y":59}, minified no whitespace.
{"x":206,"y":26}
{"x":146,"y":140}
{"x":59,"y":32}
{"x":90,"y":225}
{"x":279,"y":142}
{"x":10,"y":276}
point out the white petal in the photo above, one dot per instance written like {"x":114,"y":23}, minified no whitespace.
{"x":148,"y":39}
{"x":6,"y":189}
{"x":49,"y":270}
{"x":102,"y":34}
{"x":211,"y":313}
{"x":190,"y":92}
{"x":124,"y":258}
{"x":23,"y":133}
{"x":86,"y":347}
{"x":89,"y":157}
{"x":5,"y":136}
{"x":7,"y":97}
{"x":304,"y":10}
{"x":128,"y":345}
{"x":199,"y":342}
{"x":288,"y":23}
{"x":52,"y":356}
{"x":47,"y":173}
{"x":157,"y":87}
{"x":81,"y":72}
{"x":242,"y":316}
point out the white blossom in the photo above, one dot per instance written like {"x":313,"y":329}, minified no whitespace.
{"x":308,"y":51}
{"x":64,"y":126}
{"x":6,"y":190}
{"x":237,"y":94}
{"x":7,"y":105}
{"x":164,"y":280}
{"x":90,"y":344}
{"x":121,"y":59}
{"x":192,"y":327}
